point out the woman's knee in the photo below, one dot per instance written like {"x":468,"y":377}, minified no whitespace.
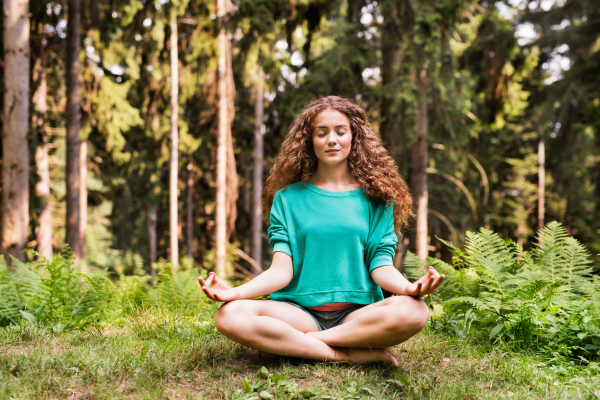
{"x":229,"y":316}
{"x":410,"y":312}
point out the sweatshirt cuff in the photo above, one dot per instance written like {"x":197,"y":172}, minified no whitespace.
{"x":380,"y":260}
{"x":283,"y":247}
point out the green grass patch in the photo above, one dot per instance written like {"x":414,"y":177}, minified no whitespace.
{"x":164,"y":354}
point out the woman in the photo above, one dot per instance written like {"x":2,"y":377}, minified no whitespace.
{"x":331,"y":196}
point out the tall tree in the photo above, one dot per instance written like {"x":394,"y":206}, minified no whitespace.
{"x":226,"y":181}
{"x":38,"y":122}
{"x":15,"y":162}
{"x":73,"y":170}
{"x":257,"y":221}
{"x":173,"y":164}
{"x":418,"y":176}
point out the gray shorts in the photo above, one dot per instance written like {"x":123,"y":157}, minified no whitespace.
{"x":328,"y":319}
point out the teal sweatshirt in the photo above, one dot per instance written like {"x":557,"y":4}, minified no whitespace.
{"x":335,"y":240}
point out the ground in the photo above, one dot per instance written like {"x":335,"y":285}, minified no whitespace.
{"x":161,"y":354}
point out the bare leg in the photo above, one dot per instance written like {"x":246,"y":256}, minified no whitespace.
{"x":280,"y":328}
{"x":382,"y":324}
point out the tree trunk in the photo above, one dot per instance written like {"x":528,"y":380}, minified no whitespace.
{"x":42,"y":187}
{"x":83,"y":202}
{"x":173,"y":217}
{"x":541,"y":182}
{"x":189,"y":224}
{"x":248,"y":161}
{"x":257,"y":222}
{"x":390,"y":57}
{"x":418,"y":166}
{"x":151,"y":223}
{"x":15,"y":163}
{"x":73,"y":174}
{"x":226,"y":172}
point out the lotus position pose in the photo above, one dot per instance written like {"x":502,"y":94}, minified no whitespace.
{"x":335,"y":201}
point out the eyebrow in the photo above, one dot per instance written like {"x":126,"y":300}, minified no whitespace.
{"x":337,"y":126}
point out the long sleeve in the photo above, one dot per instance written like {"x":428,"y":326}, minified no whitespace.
{"x":386,"y":248}
{"x":278,"y":233}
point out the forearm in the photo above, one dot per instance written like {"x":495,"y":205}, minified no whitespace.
{"x":273,"y":279}
{"x":390,"y":279}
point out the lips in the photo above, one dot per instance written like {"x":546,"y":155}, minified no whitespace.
{"x":332,"y":151}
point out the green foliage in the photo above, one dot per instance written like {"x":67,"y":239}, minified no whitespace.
{"x":545,"y":298}
{"x":52,"y":294}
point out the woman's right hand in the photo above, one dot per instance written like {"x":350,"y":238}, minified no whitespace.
{"x":219,"y":291}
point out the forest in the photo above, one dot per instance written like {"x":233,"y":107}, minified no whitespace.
{"x":137,"y":137}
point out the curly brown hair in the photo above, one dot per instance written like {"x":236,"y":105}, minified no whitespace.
{"x":368,"y":160}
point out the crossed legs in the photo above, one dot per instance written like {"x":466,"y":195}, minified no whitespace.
{"x":283,"y":329}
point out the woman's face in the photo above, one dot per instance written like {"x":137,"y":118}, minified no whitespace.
{"x":332,"y":137}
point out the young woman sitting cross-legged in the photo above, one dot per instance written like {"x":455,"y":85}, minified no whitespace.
{"x":335,"y":201}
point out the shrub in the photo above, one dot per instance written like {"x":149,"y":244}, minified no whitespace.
{"x":546,"y":299}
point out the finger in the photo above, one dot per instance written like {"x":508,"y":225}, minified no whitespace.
{"x":418,"y":289}
{"x":434,"y":272}
{"x":438,"y":281}
{"x":208,"y":293}
{"x":210,"y":279}
{"x":201,"y":281}
{"x":427,"y":286}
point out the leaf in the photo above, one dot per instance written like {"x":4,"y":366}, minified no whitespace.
{"x":57,"y":328}
{"x":496,"y":330}
{"x":581,"y":335}
{"x":246,"y":386}
{"x":264,"y":371}
{"x":76,"y":310}
{"x":438,"y":311}
{"x":277,"y":378}
{"x":264,"y":394}
{"x":28,"y":316}
{"x":366,"y":389}
{"x":402,"y":379}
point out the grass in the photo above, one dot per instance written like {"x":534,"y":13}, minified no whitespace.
{"x":163,"y":354}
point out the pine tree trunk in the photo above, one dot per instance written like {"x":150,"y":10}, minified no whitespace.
{"x":42,"y":187}
{"x":257,"y":222}
{"x":83,"y":202}
{"x":248,"y":161}
{"x":73,"y":174}
{"x":390,"y":57}
{"x":151,"y":223}
{"x":418,"y":168}
{"x":189,"y":224}
{"x":222,"y":142}
{"x":173,"y":217}
{"x":15,"y":162}
{"x":541,"y":182}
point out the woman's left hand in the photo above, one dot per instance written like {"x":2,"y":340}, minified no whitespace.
{"x":426,"y":284}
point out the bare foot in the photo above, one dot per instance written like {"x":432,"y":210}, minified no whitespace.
{"x":355,"y":355}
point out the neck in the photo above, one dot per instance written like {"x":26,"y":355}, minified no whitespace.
{"x":338,"y":174}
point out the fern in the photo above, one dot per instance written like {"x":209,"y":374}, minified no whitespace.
{"x":526,"y":297}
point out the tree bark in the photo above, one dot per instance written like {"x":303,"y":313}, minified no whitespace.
{"x":419,"y":166}
{"x":15,"y":163}
{"x":189,"y":224}
{"x":257,"y":222}
{"x":151,"y":223}
{"x":541,"y":182}
{"x":42,"y":187}
{"x":83,"y":202}
{"x":390,"y":56}
{"x":73,"y":174}
{"x":173,"y":214}
{"x":227,"y":178}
